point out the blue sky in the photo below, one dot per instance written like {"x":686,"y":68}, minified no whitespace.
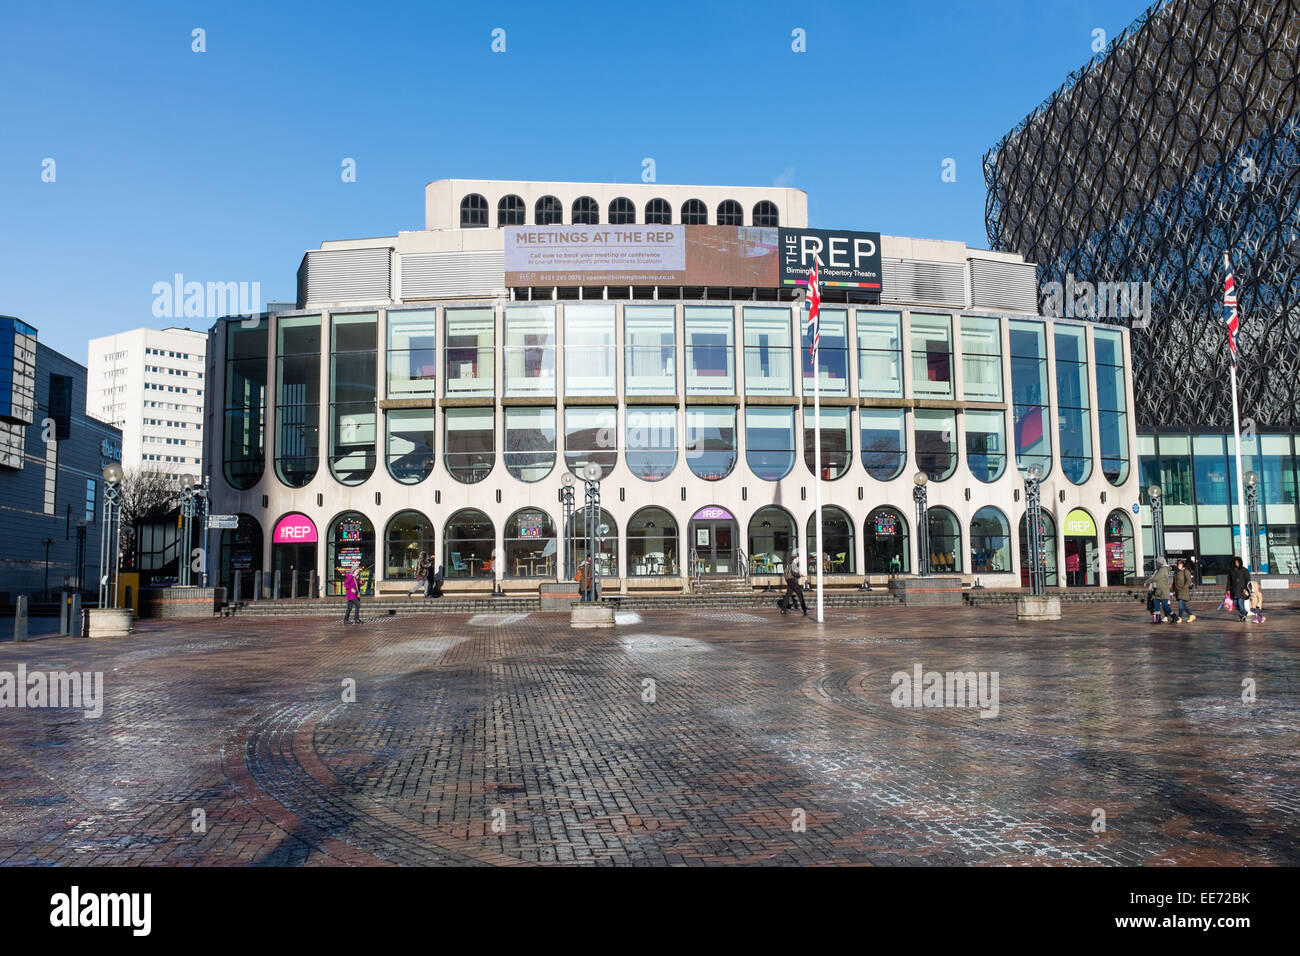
{"x":225,"y":165}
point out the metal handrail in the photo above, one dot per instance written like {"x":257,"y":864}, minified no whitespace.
{"x":742,"y":562}
{"x":693,"y":569}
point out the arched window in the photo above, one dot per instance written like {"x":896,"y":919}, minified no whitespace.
{"x":652,"y":543}
{"x":297,"y":399}
{"x":530,"y":442}
{"x":651,"y":441}
{"x":945,"y":541}
{"x":936,"y":442}
{"x":548,"y":211}
{"x":986,"y":445}
{"x":586,"y":211}
{"x":837,"y":542}
{"x":607,"y":563}
{"x":467,"y":542}
{"x":1112,"y":404}
{"x":1073,"y":402}
{"x":511,"y":211}
{"x":884,"y":442}
{"x":473,"y":212}
{"x":730,"y":213}
{"x":837,"y":442}
{"x":769,"y":441}
{"x":766,"y":215}
{"x":239,"y":549}
{"x":409,"y":535}
{"x":1121,"y":560}
{"x":990,"y":542}
{"x":772,"y":536}
{"x":1030,"y":415}
{"x":351,"y":544}
{"x":468,"y":443}
{"x":1047,"y":528}
{"x":695,"y":213}
{"x":245,"y":451}
{"x":590,"y":435}
{"x":884,"y":542}
{"x":530,"y":545}
{"x":658,"y":213}
{"x":711,"y":440}
{"x":410,"y":443}
{"x":622,"y":212}
{"x":353,"y":396}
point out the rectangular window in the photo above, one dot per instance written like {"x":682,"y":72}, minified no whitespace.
{"x":769,"y":369}
{"x":832,"y":353}
{"x":468,"y":445}
{"x":353,"y":389}
{"x":471,"y":343}
{"x":590,"y":435}
{"x":981,"y":359}
{"x":92,"y":493}
{"x":410,"y":443}
{"x":1073,"y":407}
{"x":1029,"y":395}
{"x":530,"y":350}
{"x":650,"y":334}
{"x":589,"y":349}
{"x":412,"y":352}
{"x":710,"y":351}
{"x":1112,"y":404}
{"x":932,"y":355}
{"x":530,"y":442}
{"x":297,"y":447}
{"x":880,"y":354}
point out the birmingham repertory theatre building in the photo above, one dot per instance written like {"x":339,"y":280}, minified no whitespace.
{"x":428,"y":390}
{"x":1178,"y":143}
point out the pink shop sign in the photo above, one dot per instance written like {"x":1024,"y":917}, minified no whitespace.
{"x":712,"y":513}
{"x":294,"y":529}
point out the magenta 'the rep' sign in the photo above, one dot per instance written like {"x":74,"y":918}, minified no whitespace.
{"x":711,"y":512}
{"x":294,"y":529}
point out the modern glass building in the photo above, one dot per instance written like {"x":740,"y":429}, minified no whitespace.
{"x":427,"y":395}
{"x":1127,"y":185}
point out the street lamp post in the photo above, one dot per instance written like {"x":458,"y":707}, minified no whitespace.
{"x":1157,"y":521}
{"x":194,"y":502}
{"x":110,"y":535}
{"x":47,"y":542}
{"x":591,"y":505}
{"x":922,"y":524}
{"x":1252,"y":517}
{"x":1034,"y":528}
{"x":566,"y":506}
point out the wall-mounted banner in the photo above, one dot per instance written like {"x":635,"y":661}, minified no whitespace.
{"x":640,"y":255}
{"x":1079,"y":522}
{"x":294,"y":529}
{"x":847,"y":259}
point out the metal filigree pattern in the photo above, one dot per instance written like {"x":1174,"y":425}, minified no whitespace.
{"x":1180,"y":140}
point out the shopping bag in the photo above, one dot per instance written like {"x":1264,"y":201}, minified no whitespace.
{"x":1226,"y":603}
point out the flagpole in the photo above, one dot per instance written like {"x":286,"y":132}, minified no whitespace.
{"x":1236,"y":423}
{"x":817,"y":455}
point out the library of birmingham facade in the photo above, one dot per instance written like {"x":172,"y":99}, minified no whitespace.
{"x":428,"y":391}
{"x":1181,"y":141}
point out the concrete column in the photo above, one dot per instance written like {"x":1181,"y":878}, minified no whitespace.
{"x":20,"y":620}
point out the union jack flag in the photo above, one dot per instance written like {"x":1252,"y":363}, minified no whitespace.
{"x":1230,"y":308}
{"x":814,"y":311}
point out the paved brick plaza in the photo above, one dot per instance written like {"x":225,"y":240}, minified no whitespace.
{"x":464,"y":721}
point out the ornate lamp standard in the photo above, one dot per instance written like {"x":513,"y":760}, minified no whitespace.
{"x":110,"y":535}
{"x":591,"y":507}
{"x":1034,"y":528}
{"x":1252,"y":517}
{"x":1157,"y":521}
{"x":566,"y":506}
{"x":919,"y":495}
{"x":194,"y":504}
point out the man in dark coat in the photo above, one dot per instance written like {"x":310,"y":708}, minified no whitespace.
{"x":792,"y":588}
{"x":435,"y":581}
{"x":1239,"y":588}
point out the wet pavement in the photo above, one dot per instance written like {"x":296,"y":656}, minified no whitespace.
{"x":726,"y":737}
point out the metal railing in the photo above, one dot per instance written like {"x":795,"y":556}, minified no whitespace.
{"x":742,"y":564}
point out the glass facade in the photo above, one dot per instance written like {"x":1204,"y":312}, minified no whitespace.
{"x":769,"y":364}
{"x":412,"y":352}
{"x":244,"y":456}
{"x":710,"y":350}
{"x":353,"y":396}
{"x":650,"y":337}
{"x":884,"y":442}
{"x":409,"y":534}
{"x":1112,"y":404}
{"x":981,"y":359}
{"x":1029,"y":395}
{"x":945,"y":540}
{"x":837,"y":542}
{"x":468,"y":443}
{"x":530,"y":545}
{"x":589,"y":350}
{"x":769,"y":441}
{"x":529,"y":352}
{"x":652,"y":547}
{"x":297,"y":399}
{"x":409,"y":440}
{"x":1073,"y":408}
{"x":884,"y":542}
{"x":772,"y":536}
{"x":471,"y":338}
{"x":990,"y":542}
{"x":837,"y":441}
{"x":932,"y":355}
{"x":986,"y":444}
{"x":936,"y":442}
{"x":590,"y":435}
{"x":468,"y":540}
{"x":529,"y":442}
{"x":832,"y":353}
{"x":880,"y":354}
{"x":651,"y":441}
{"x":711,"y":441}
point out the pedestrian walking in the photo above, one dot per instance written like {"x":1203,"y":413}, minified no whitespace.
{"x":352,"y":591}
{"x":433,"y":581}
{"x":1183,"y":580}
{"x":1159,"y":584}
{"x":421,"y":575}
{"x":1239,"y":588}
{"x":793,"y":589}
{"x":1257,"y":601}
